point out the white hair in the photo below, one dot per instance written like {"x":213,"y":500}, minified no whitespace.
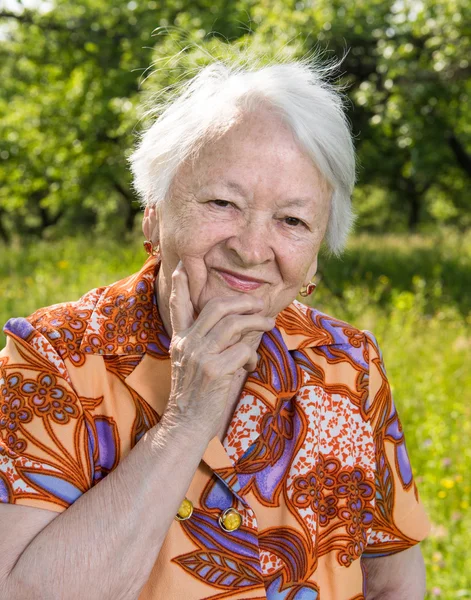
{"x":209,"y":103}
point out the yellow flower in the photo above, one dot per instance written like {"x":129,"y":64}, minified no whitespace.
{"x":447,"y":483}
{"x":441,"y":494}
{"x":63,"y":264}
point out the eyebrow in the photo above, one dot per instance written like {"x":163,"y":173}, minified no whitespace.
{"x":231,"y":185}
{"x":295,"y":202}
{"x":236,"y":187}
{"x":239,"y":189}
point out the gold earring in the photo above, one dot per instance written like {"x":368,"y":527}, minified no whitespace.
{"x":307,"y":289}
{"x":150,"y":248}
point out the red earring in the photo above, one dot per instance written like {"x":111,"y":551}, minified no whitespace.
{"x":307,"y":289}
{"x":150,"y":248}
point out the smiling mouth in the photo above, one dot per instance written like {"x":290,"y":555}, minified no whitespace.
{"x":239,"y":282}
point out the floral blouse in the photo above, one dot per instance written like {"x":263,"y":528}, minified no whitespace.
{"x":314,"y":461}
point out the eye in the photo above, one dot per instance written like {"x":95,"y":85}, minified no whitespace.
{"x":221,"y":203}
{"x":293,"y":221}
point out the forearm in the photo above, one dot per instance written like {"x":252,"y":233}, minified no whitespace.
{"x":399,"y":576}
{"x":413,"y":593}
{"x":105,"y":545}
{"x":396,"y":596}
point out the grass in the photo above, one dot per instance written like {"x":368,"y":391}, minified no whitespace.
{"x":411,"y":291}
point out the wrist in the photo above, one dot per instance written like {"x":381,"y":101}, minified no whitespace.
{"x":188,"y":431}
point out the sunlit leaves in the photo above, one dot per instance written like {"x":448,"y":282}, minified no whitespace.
{"x":76,"y":81}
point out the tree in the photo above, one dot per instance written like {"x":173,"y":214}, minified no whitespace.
{"x":74,"y":79}
{"x":70,"y":88}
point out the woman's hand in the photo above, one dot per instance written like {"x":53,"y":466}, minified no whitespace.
{"x":206,"y":352}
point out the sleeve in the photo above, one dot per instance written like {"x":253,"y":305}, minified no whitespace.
{"x":44,"y":442}
{"x":399,"y":520}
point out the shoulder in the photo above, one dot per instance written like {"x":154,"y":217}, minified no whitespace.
{"x":55,"y":331}
{"x":318,"y":340}
{"x":119,"y":318}
{"x":304,"y":327}
{"x":68,"y":321}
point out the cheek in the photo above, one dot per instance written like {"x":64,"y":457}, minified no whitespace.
{"x":194,"y":249}
{"x":294,"y":268}
{"x":196,"y":236}
{"x":197,"y":276}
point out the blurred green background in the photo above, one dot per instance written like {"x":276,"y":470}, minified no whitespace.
{"x":75,"y":80}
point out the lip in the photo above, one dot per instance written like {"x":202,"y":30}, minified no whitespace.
{"x":239,"y":282}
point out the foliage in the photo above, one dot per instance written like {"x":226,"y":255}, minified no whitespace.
{"x":74,"y":76}
{"x":70,"y":83}
{"x":410,"y":291}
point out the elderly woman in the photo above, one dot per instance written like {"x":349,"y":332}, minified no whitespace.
{"x":193,"y":431}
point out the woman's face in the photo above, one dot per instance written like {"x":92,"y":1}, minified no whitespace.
{"x":252,"y":205}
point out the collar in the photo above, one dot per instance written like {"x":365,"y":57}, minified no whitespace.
{"x":126,"y":321}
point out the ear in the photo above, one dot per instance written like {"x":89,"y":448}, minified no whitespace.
{"x":150,"y":224}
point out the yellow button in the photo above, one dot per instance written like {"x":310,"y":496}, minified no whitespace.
{"x":185,"y":511}
{"x":230,"y":520}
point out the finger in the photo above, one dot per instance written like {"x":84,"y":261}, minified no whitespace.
{"x":181,"y":307}
{"x":218,"y":308}
{"x":251,"y":365}
{"x":232,"y":328}
{"x":252,"y":339}
{"x":238,"y":356}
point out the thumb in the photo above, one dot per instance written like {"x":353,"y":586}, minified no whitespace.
{"x":181,"y":307}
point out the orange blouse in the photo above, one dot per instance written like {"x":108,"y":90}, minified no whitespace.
{"x":314,"y":460}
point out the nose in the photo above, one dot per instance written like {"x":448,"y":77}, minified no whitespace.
{"x":251,"y":245}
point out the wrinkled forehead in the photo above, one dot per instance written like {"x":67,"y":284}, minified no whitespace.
{"x":253,"y":149}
